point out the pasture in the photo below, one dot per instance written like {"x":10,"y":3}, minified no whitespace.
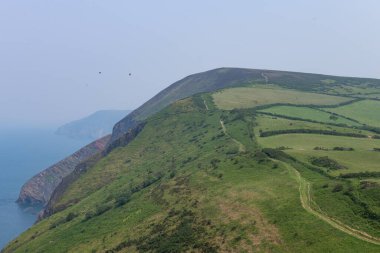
{"x":309,"y":114}
{"x":366,"y":112}
{"x":270,"y":123}
{"x":363,"y":158}
{"x":248,"y":97}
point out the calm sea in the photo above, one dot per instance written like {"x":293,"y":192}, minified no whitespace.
{"x":23,"y":153}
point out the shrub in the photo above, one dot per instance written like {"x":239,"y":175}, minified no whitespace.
{"x":326,"y":162}
{"x":214,"y":163}
{"x":310,"y":131}
{"x":88,"y":215}
{"x":368,"y":185}
{"x":337,"y":188}
{"x":122,"y":199}
{"x":283,"y":148}
{"x":342,"y":149}
{"x":172,"y":174}
{"x":366,"y":174}
{"x":70,"y":216}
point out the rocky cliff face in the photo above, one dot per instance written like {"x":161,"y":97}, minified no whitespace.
{"x":38,"y":190}
{"x":51,"y":206}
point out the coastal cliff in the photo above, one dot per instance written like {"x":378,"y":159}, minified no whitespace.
{"x":51,"y":205}
{"x":38,"y":190}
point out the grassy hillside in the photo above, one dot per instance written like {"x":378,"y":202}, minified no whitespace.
{"x":217,"y":79}
{"x":209,"y":175}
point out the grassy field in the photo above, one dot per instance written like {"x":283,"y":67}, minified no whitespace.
{"x":272,"y":123}
{"x":363,"y":158}
{"x":309,"y":114}
{"x":246,"y":97}
{"x":366,"y":112}
{"x":372,"y":95}
{"x":183,"y":185}
{"x":353,"y":90}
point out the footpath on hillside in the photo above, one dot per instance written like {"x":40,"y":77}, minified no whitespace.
{"x":307,"y":203}
{"x":306,"y":199}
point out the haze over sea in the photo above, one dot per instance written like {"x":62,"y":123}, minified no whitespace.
{"x":23,"y":153}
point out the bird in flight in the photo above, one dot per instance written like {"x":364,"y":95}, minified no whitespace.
{"x":100,"y":72}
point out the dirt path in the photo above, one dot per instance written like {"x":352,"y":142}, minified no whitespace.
{"x":241,"y":145}
{"x":310,"y":206}
{"x":265,"y":77}
{"x":204,"y":101}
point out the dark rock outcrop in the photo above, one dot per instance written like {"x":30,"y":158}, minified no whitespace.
{"x":38,"y":190}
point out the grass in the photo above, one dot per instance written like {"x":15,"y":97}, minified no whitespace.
{"x":273,"y":123}
{"x":310,"y":114}
{"x":246,"y":97}
{"x":302,"y":146}
{"x":366,"y":112}
{"x":356,"y":90}
{"x":209,"y":196}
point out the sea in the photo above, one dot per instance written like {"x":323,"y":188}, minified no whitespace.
{"x":23,"y":153}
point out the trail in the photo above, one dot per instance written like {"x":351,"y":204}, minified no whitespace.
{"x":311,"y":206}
{"x":241,"y":145}
{"x":204,"y":101}
{"x":265,"y":77}
{"x":307,"y":203}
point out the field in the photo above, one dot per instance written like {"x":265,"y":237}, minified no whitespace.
{"x":375,"y":95}
{"x":309,"y":114}
{"x":358,"y":90}
{"x":247,"y":97}
{"x":353,"y":162}
{"x":366,"y":112}
{"x":273,"y":123}
{"x":363,"y":158}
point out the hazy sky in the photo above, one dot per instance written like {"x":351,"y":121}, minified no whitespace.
{"x":51,"y":51}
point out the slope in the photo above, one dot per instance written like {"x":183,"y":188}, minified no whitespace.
{"x":184,"y":184}
{"x":38,"y":189}
{"x":221,"y":78}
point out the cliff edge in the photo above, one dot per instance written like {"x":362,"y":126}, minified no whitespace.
{"x":38,"y":190}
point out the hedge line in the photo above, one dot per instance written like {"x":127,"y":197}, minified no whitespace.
{"x":366,"y":174}
{"x":310,"y":131}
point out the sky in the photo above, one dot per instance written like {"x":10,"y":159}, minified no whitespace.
{"x":51,"y":52}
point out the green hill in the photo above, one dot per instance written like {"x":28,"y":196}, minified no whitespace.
{"x":214,"y":169}
{"x":221,"y":78}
